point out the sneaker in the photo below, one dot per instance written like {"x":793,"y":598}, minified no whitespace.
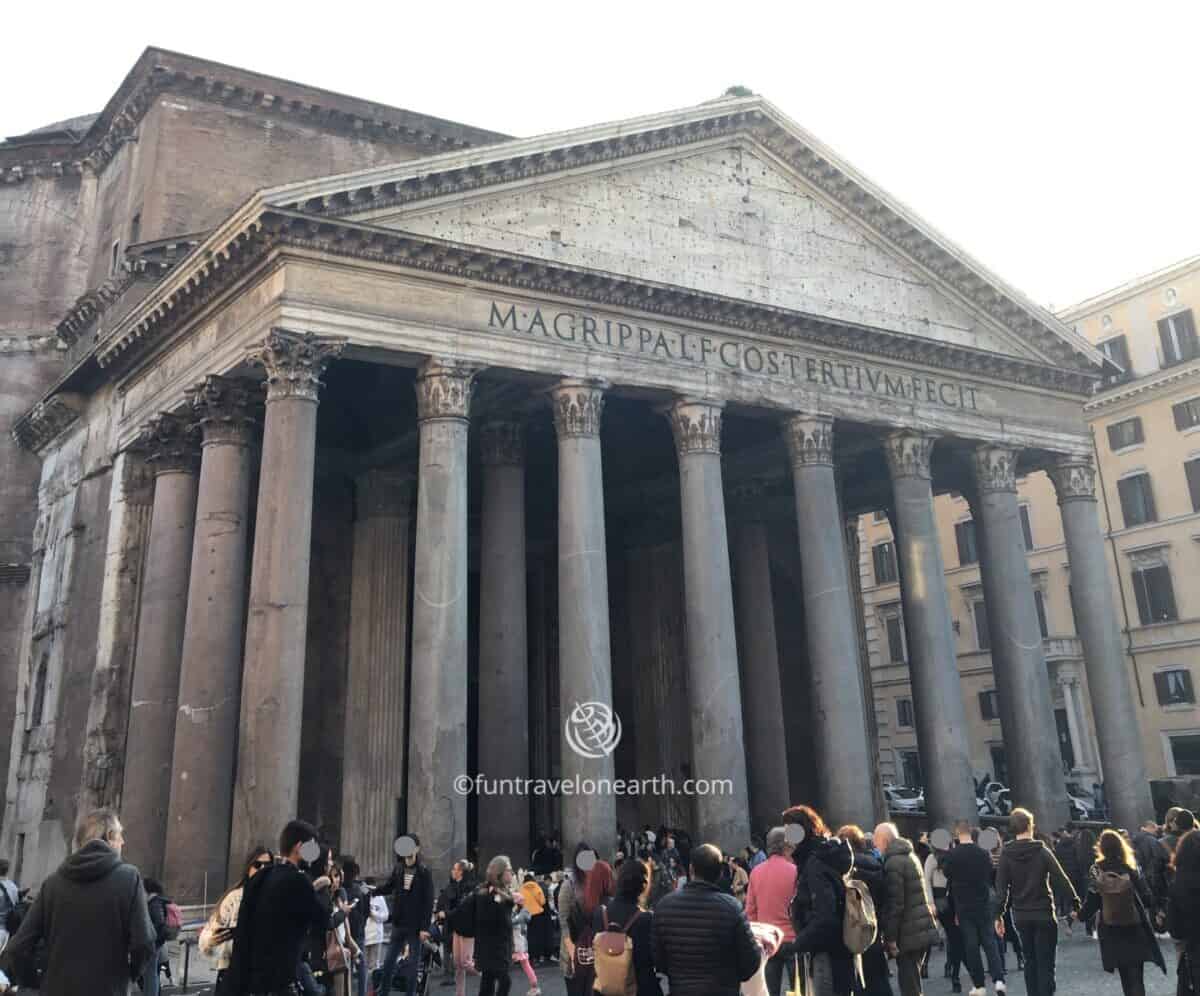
{"x":1001,"y":988}
{"x":978,"y":991}
{"x":535,"y":991}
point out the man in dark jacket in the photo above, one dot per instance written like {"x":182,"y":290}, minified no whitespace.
{"x":968,"y":869}
{"x":1026,"y":881}
{"x":91,"y":914}
{"x":910,"y":924}
{"x":1152,"y":859}
{"x":701,"y":937}
{"x":411,"y":888}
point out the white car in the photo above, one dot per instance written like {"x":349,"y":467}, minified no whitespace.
{"x":903,"y":799}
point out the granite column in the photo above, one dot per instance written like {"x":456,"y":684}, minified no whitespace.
{"x":503,"y":645}
{"x":941,"y":718}
{"x":585,"y":655}
{"x":437,"y":810}
{"x":197,"y":832}
{"x":1117,"y":731}
{"x":170,"y":443}
{"x":375,"y":745}
{"x":838,"y":711}
{"x":266,"y":789}
{"x":1018,"y":657}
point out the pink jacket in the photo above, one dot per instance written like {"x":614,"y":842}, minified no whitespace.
{"x":769,"y":900}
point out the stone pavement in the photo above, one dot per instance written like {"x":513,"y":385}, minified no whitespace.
{"x":1079,"y":974}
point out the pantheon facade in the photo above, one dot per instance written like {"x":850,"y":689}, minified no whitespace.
{"x":347,"y":487}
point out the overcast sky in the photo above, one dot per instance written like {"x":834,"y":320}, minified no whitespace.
{"x":1055,"y":143}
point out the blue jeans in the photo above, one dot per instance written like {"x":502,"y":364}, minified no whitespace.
{"x":308,"y":982}
{"x":359,"y":966}
{"x":407,"y":968}
{"x":150,"y":976}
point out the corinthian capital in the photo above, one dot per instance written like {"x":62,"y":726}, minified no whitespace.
{"x":502,"y":443}
{"x":1074,"y":478}
{"x":696,"y":426}
{"x":995,"y":468}
{"x":909,"y":454}
{"x":578,"y":405}
{"x":810,"y":440}
{"x":294,"y":362}
{"x":445,"y":389}
{"x":169,"y":443}
{"x":224,"y":407}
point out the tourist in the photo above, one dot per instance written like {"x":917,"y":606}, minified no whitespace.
{"x":1178,"y":822}
{"x":739,"y":881}
{"x":701,"y":938}
{"x":868,"y":869}
{"x":314,"y":968}
{"x":156,"y":906}
{"x":542,"y":859}
{"x":968,"y":869}
{"x":487,"y":914}
{"x":937,"y":892}
{"x":597,"y":888}
{"x":411,"y":887}
{"x":1064,"y":851}
{"x":216,"y":937}
{"x":1183,"y":911}
{"x":10,"y":896}
{"x":1085,"y":852}
{"x":1152,"y":860}
{"x":1026,"y":879}
{"x":769,"y":900}
{"x":358,"y":899}
{"x":910,"y":925}
{"x":756,"y":854}
{"x":91,"y":915}
{"x":539,"y":919}
{"x":569,"y":892}
{"x":520,"y":943}
{"x":626,"y":911}
{"x":375,"y":934}
{"x":820,"y":862}
{"x":456,"y":948}
{"x":1120,"y":897}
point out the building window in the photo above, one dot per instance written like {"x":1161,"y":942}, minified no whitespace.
{"x":885,"y":562}
{"x":904,"y":714}
{"x":999,"y":764}
{"x":1174,"y":687}
{"x":989,"y":705}
{"x":1127,"y":433}
{"x":116,"y":258}
{"x":1177,"y":334}
{"x":1117,"y":350}
{"x":135,"y":229}
{"x":1026,"y":526}
{"x":964,"y":536}
{"x":895,"y":639}
{"x":1155,"y":595}
{"x":1192,"y":469}
{"x":1185,"y":754}
{"x":910,"y":769}
{"x":982,"y":637}
{"x":1187,"y":414}
{"x":1137,"y":499}
{"x":1039,"y":604}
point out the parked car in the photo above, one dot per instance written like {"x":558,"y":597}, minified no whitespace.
{"x":902,"y":799}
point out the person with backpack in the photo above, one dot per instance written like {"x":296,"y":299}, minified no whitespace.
{"x":769,"y":900}
{"x":701,"y":938}
{"x":937,"y":891}
{"x":968,"y":870}
{"x":1122,"y":899}
{"x":819,"y":906}
{"x":910,"y":926}
{"x":166,"y":920}
{"x":597,"y":888}
{"x":622,"y":941}
{"x":868,"y":869}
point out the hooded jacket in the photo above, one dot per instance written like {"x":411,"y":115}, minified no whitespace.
{"x":92,"y":915}
{"x":820,"y":899}
{"x":910,"y":923}
{"x":1026,"y":880}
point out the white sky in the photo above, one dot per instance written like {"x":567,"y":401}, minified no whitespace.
{"x":1056,"y":142}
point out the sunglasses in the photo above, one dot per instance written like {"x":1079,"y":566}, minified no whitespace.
{"x":261,"y":863}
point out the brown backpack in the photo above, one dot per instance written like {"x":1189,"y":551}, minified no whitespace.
{"x":613,"y":951}
{"x":1118,"y":907}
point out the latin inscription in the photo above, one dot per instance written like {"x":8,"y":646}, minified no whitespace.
{"x":729,"y":354}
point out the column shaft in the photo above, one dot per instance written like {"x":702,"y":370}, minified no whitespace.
{"x":1068,"y":688}
{"x":1125,"y":784}
{"x":503,"y":646}
{"x":1018,"y":657}
{"x":838,"y":711}
{"x":585,"y":655}
{"x":201,"y":805}
{"x":941,"y":718}
{"x":762,"y":694}
{"x":266,"y":790}
{"x":438,"y":717}
{"x":151,"y":738}
{"x":374,"y":746}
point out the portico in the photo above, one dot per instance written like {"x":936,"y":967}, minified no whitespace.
{"x":523,"y":361}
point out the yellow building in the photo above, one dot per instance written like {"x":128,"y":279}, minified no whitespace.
{"x":1145,"y":425}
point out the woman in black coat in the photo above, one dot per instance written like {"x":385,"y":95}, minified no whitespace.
{"x":1183,"y":911}
{"x":819,"y":903}
{"x":488,"y":912}
{"x":628,"y":907}
{"x":1124,"y":948}
{"x":868,"y":869}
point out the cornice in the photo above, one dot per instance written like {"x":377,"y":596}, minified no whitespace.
{"x":237,"y":247}
{"x":46,"y":421}
{"x":396,"y":186}
{"x":158,"y":71}
{"x":1161,"y":380}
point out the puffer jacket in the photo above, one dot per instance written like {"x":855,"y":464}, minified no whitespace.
{"x":909,"y":923}
{"x":702,"y":941}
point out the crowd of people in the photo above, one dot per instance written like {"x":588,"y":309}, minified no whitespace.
{"x":803,"y":909}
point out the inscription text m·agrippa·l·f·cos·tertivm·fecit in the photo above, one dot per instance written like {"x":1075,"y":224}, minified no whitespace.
{"x":597,"y":332}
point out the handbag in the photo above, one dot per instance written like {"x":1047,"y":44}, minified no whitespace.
{"x":336,"y":959}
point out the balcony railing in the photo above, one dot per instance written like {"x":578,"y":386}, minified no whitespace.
{"x":1062,"y":648}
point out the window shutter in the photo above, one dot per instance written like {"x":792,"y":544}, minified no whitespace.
{"x":1185,"y":329}
{"x":1114,"y":435}
{"x":1145,"y":616}
{"x":1161,"y":688}
{"x":1192,"y":469}
{"x":1189,"y":695}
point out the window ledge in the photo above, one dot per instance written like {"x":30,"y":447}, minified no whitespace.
{"x":1179,"y":707}
{"x":1131,"y":448}
{"x":1190,"y":430}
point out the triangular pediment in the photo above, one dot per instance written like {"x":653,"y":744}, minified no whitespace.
{"x":729,"y":199}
